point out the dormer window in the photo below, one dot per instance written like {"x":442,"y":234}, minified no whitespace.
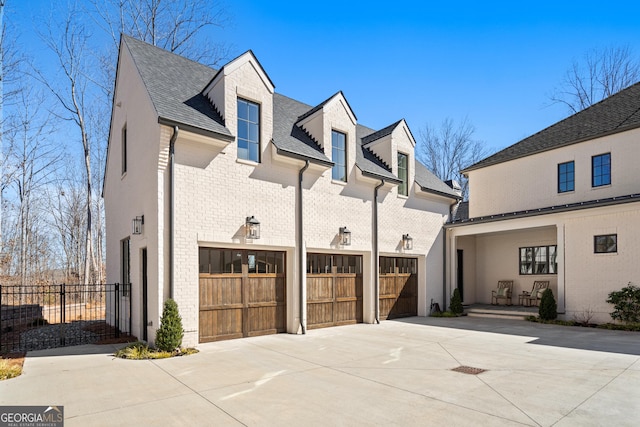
{"x":403,"y":174}
{"x":248,"y":130}
{"x":339,"y":156}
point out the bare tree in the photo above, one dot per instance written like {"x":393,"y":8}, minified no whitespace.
{"x":33,"y":159}
{"x":447,"y":150}
{"x":600,"y":74}
{"x":68,"y":39}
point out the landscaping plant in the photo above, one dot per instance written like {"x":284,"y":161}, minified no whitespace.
{"x":169,"y":335}
{"x":456,"y":302}
{"x":548,"y":309}
{"x":626,"y":303}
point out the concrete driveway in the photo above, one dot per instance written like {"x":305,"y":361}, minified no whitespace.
{"x":395,"y":373}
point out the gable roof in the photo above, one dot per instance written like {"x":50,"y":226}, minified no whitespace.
{"x":618,"y":113}
{"x":174,"y":84}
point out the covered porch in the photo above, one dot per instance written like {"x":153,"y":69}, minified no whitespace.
{"x":522,"y":250}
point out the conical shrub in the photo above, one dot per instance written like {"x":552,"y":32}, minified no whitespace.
{"x":548,"y":309}
{"x":456,"y":302}
{"x":169,"y":335}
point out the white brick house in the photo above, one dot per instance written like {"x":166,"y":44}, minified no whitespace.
{"x":198,"y":153}
{"x":561,"y":206}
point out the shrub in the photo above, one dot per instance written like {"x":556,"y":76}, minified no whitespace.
{"x":456,"y":302}
{"x":548,"y":308}
{"x":626,"y":303}
{"x":169,"y":335}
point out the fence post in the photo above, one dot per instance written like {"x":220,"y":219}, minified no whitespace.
{"x":117,"y":308}
{"x":63,"y":317}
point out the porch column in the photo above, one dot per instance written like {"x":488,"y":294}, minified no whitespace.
{"x":452,"y":278}
{"x":561,"y":267}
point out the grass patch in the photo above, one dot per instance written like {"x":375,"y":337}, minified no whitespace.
{"x":445,"y":314}
{"x":11,"y":365}
{"x":141,"y":351}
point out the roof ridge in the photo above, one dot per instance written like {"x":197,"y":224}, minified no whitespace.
{"x":165,"y":51}
{"x":317,"y":107}
{"x":380,"y":133}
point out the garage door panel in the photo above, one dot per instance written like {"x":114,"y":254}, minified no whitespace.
{"x":398,"y":288}
{"x":333,"y":297}
{"x":240,"y":304}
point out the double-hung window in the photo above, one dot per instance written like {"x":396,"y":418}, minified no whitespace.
{"x":403,"y":174}
{"x":248,"y":130}
{"x":566,"y":177}
{"x":339,"y":156}
{"x":601,"y":170}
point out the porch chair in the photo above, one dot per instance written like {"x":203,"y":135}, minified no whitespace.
{"x":534,"y":297}
{"x":502,"y":292}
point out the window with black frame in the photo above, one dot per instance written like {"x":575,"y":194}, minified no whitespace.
{"x":605,"y":244}
{"x":538,"y":260}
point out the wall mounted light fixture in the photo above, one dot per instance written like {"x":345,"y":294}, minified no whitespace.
{"x":345,"y":236}
{"x":252,"y":226}
{"x":407,"y":242}
{"x":136,"y":225}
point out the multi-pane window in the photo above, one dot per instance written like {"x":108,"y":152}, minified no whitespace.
{"x":339,"y":156}
{"x":124,"y":149}
{"x":324,"y":263}
{"x":539,"y":260}
{"x":403,"y":174}
{"x":248,"y":130}
{"x":125,"y":265}
{"x":566,"y":177}
{"x":601,"y":170}
{"x":605,"y":244}
{"x":388,"y":265}
{"x":228,"y":261}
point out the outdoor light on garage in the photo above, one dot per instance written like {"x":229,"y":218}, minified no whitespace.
{"x":407,"y":242}
{"x":136,"y":226}
{"x":345,"y":236}
{"x":252,"y":226}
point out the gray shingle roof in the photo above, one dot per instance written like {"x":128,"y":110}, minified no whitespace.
{"x":432,"y":184}
{"x":618,"y":113}
{"x":175,"y":84}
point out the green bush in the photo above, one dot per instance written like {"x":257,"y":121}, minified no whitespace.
{"x":456,"y":302}
{"x":169,"y":335}
{"x":548,"y":308}
{"x":626,"y":303}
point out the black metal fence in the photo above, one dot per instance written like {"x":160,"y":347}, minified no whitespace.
{"x":34,"y":317}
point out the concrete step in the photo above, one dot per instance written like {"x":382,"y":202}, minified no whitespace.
{"x":498,"y":313}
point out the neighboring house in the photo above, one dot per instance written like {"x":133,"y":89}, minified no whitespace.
{"x":258,"y":213}
{"x":561,"y":205}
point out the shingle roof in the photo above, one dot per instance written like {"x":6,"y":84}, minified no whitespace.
{"x":174,"y":84}
{"x":617,"y":113}
{"x":432,"y":184}
{"x":290,"y":138}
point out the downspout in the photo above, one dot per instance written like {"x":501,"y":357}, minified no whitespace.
{"x":172,"y":151}
{"x":376,"y":253}
{"x":301,"y":269}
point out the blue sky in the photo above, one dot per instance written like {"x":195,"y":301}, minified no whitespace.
{"x":493,"y":62}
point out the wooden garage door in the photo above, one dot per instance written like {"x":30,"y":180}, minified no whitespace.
{"x":334,"y":290}
{"x":398,"y":287}
{"x":242,"y":293}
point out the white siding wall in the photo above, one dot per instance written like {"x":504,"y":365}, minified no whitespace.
{"x":532,"y":182}
{"x":135,"y":193}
